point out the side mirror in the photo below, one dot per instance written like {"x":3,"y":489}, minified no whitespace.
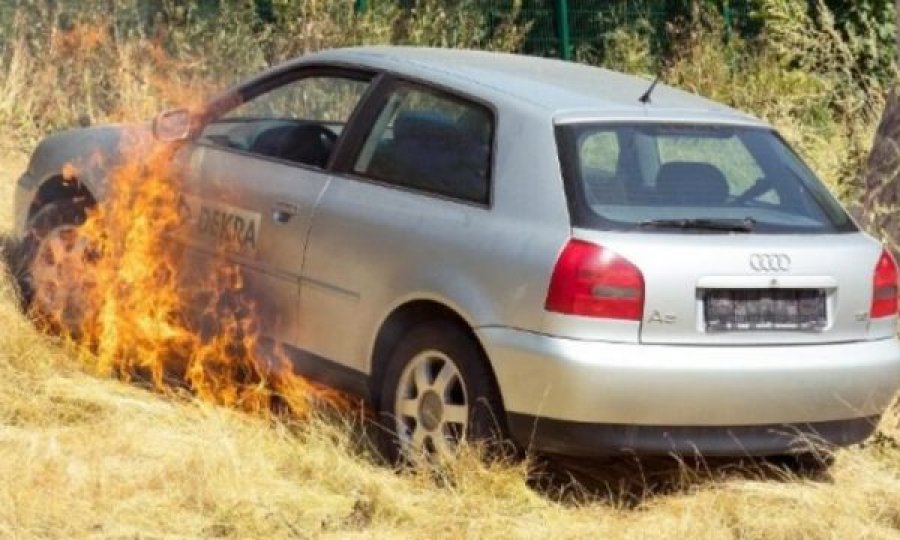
{"x":172,"y":125}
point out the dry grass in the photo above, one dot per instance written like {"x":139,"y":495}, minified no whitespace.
{"x":82,"y":456}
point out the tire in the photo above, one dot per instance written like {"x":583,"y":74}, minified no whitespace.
{"x":54,"y":221}
{"x":438,"y":391}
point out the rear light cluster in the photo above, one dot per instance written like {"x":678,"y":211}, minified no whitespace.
{"x":593,"y":281}
{"x":884,"y":290}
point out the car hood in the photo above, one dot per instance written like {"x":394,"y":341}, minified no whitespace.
{"x":89,"y":152}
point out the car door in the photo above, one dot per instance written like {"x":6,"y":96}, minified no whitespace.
{"x":411,"y":198}
{"x":255,"y":174}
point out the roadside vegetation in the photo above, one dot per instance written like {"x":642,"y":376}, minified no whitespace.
{"x":82,"y":455}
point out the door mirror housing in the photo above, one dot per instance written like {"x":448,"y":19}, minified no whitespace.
{"x":172,"y":125}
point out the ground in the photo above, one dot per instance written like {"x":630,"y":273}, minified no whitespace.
{"x":83,"y":455}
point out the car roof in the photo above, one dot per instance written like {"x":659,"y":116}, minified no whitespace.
{"x":566,"y":90}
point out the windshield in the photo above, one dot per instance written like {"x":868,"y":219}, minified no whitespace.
{"x":692,"y":177}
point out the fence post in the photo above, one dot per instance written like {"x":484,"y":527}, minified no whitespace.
{"x":562,"y":29}
{"x":728,"y":19}
{"x":897,"y":29}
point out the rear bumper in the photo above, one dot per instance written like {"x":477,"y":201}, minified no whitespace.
{"x":588,"y":397}
{"x":584,"y":439}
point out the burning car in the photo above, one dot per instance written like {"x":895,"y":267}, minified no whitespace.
{"x":494,"y":246}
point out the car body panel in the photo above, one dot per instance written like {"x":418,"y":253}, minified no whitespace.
{"x":550,"y":85}
{"x":257,"y":212}
{"x":677,"y":267}
{"x":89,"y":151}
{"x":691,"y":385}
{"x":420,"y":246}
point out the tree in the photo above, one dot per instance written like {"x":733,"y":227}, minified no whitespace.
{"x":881,"y":179}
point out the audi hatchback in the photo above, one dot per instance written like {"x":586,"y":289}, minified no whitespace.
{"x":487,"y":245}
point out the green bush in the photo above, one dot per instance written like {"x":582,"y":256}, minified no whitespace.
{"x":818,"y":75}
{"x":62,"y":60}
{"x":800,"y":73}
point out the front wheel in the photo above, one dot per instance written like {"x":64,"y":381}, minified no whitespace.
{"x":439,"y":393}
{"x":56,"y":267}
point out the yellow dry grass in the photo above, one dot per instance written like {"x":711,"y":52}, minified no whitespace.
{"x":82,"y":456}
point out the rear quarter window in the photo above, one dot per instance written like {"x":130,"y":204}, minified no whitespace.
{"x":431,"y":142}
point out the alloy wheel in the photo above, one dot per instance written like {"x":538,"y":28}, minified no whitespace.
{"x":431,"y":406}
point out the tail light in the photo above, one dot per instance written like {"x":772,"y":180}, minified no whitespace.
{"x":593,"y":281}
{"x":884,"y":290}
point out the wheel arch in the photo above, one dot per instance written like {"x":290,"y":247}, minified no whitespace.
{"x":402,"y":318}
{"x":58,"y":187}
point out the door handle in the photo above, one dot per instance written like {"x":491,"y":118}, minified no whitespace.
{"x":282,"y":212}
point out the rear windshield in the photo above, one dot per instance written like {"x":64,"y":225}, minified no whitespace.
{"x":651,"y":176}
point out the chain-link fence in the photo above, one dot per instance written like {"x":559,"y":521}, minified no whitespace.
{"x":557,"y":27}
{"x":561,"y":27}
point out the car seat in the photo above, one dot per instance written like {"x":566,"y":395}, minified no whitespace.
{"x":300,"y":143}
{"x":432,"y":152}
{"x":690,"y":183}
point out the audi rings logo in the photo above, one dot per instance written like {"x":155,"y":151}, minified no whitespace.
{"x":770,"y":262}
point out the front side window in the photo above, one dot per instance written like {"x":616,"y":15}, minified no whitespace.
{"x":629,"y":177}
{"x":430,"y":142}
{"x":299,"y":121}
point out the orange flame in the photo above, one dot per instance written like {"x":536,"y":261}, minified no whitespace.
{"x":132,"y":311}
{"x":125,"y":303}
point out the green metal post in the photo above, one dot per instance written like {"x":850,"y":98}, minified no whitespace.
{"x":562,"y":29}
{"x":728,"y":19}
{"x":362,"y":6}
{"x":897,"y":30}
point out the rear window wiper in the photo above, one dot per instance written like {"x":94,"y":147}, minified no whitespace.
{"x":702,"y":224}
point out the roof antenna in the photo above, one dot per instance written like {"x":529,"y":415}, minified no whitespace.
{"x":645,"y":99}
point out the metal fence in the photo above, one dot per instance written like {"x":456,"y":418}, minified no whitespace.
{"x":561,"y":27}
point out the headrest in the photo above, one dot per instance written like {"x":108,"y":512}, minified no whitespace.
{"x":691,"y":183}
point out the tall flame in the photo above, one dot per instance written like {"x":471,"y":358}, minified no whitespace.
{"x":133,"y":304}
{"x":118,"y":280}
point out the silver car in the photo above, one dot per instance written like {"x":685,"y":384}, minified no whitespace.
{"x":488,"y":245}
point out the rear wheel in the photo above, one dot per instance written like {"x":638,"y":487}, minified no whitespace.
{"x":438,"y":393}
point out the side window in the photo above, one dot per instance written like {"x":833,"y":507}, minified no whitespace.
{"x":299,"y":121}
{"x":428,"y":141}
